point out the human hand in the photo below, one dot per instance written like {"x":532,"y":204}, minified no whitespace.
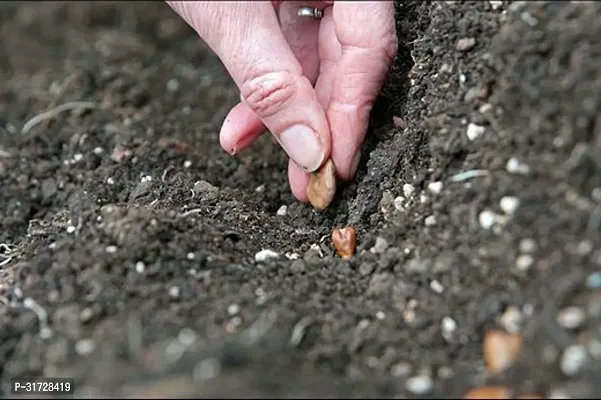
{"x":311,"y":82}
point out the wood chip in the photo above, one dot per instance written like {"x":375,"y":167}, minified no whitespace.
{"x":501,"y":350}
{"x":344,"y":241}
{"x":322,"y":186}
{"x":488,"y":392}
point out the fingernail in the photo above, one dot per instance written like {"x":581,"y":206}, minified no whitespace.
{"x":355,"y":163}
{"x":303,"y":147}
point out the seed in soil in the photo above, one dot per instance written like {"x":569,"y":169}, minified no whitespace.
{"x":322,"y":186}
{"x":344,"y":241}
{"x":501,"y":350}
{"x":488,"y":392}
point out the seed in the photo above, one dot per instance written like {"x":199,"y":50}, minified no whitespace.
{"x":501,"y":350}
{"x":344,"y":241}
{"x":488,"y":392}
{"x":322,"y":186}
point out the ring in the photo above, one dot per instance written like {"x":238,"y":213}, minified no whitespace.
{"x":309,"y":12}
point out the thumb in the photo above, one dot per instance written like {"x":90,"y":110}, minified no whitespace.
{"x":247,"y":38}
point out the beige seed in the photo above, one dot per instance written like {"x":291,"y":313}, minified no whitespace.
{"x":501,"y":350}
{"x":344,"y":241}
{"x":322,"y":186}
{"x":488,"y":392}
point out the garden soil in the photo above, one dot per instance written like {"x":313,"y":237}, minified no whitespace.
{"x":129,"y":238}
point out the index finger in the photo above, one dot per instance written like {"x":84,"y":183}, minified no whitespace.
{"x":367,"y":35}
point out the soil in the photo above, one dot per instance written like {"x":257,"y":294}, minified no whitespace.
{"x":128,"y":236}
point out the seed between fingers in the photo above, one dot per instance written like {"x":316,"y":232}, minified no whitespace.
{"x":322,"y":186}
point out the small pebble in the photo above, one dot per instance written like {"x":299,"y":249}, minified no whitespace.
{"x":174,"y":292}
{"x":408,"y":190}
{"x":419,"y":385}
{"x":265,"y":254}
{"x":187,"y":164}
{"x":111,"y":249}
{"x":430,"y":220}
{"x":435,"y":187}
{"x":524,"y":262}
{"x":571,"y":317}
{"x":449,"y":326}
{"x":509,"y":204}
{"x":283,"y":210}
{"x":380,"y":246}
{"x":514,"y":166}
{"x":399,"y":203}
{"x":487,"y":219}
{"x":84,"y":347}
{"x":465,"y":44}
{"x":474,"y":131}
{"x":110,"y":181}
{"x":573,"y":359}
{"x":436,"y":286}
{"x":527,"y":245}
{"x":593,"y":281}
{"x":173,"y":85}
{"x":70,"y":229}
{"x":233,"y":309}
{"x":140,"y":267}
{"x":511,"y":320}
{"x":190,"y":256}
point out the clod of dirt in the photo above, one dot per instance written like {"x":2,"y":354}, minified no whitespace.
{"x":488,"y":392}
{"x":345,"y":241}
{"x":501,"y":350}
{"x":465,"y":44}
{"x":322,"y":186}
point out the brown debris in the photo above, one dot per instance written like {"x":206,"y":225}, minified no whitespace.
{"x":173,"y":144}
{"x":322,"y":186}
{"x":488,"y":392}
{"x":119,"y":153}
{"x":344,"y":241}
{"x":501,"y":350}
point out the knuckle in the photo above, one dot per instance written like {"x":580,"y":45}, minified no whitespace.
{"x":269,"y":93}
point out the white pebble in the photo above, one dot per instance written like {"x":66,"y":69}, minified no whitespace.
{"x":474,"y":131}
{"x":571,"y":317}
{"x":70,"y":229}
{"x":511,"y":320}
{"x":140,"y":267}
{"x":380,"y":315}
{"x":190,"y":256}
{"x":514,"y":166}
{"x":449,"y":326}
{"x":111,"y":249}
{"x":283,"y":210}
{"x":98,"y":150}
{"x":487,"y":219}
{"x":399,"y":203}
{"x":174,"y":292}
{"x":527,"y":245}
{"x":430,"y":220}
{"x":233,"y":309}
{"x":435,"y":187}
{"x":173,"y":85}
{"x":524,"y":262}
{"x":509,"y":204}
{"x":265,"y":254}
{"x":408,"y":190}
{"x":187,"y":164}
{"x":77,"y":157}
{"x":84,"y":346}
{"x":573,"y":359}
{"x":110,"y":181}
{"x":380,"y":246}
{"x":436,"y":286}
{"x":419,"y":385}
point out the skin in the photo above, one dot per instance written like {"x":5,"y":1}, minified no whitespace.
{"x":321,"y":74}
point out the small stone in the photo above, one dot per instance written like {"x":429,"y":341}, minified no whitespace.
{"x":174,"y":292}
{"x":435,"y":187}
{"x":84,"y":347}
{"x":487,"y":219}
{"x":527,"y":245}
{"x":474,"y":131}
{"x":430,"y":220}
{"x":380,"y":246}
{"x":265,"y":254}
{"x":436,"y":286}
{"x":110,"y":181}
{"x":449,"y":326}
{"x":233,"y":309}
{"x":514,"y":166}
{"x":524,"y":262}
{"x":593,"y":281}
{"x":111,"y":249}
{"x":571,"y":317}
{"x":419,"y":385}
{"x":190,"y":256}
{"x":283,"y":210}
{"x":465,"y":44}
{"x":399,"y":203}
{"x":509,"y":204}
{"x":511,"y":320}
{"x":140,"y":267}
{"x":496,"y":4}
{"x":187,"y":164}
{"x":173,"y":85}
{"x":70,"y":229}
{"x":573,"y":359}
{"x":203,"y":186}
{"x":408,"y":190}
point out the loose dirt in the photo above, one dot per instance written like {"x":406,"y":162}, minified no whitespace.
{"x":133,"y":248}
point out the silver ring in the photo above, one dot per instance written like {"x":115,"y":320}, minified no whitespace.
{"x":309,"y":12}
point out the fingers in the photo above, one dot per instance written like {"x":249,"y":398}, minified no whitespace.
{"x":330,"y":52}
{"x":242,"y":126}
{"x":247,"y":38}
{"x":368,"y":43}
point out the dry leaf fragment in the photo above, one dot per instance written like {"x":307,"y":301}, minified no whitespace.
{"x":344,"y":241}
{"x":322,"y":186}
{"x":488,"y":392}
{"x":501,"y":350}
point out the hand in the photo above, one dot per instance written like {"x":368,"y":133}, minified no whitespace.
{"x":312,"y":83}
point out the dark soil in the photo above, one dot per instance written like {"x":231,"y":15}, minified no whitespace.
{"x":139,"y":286}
